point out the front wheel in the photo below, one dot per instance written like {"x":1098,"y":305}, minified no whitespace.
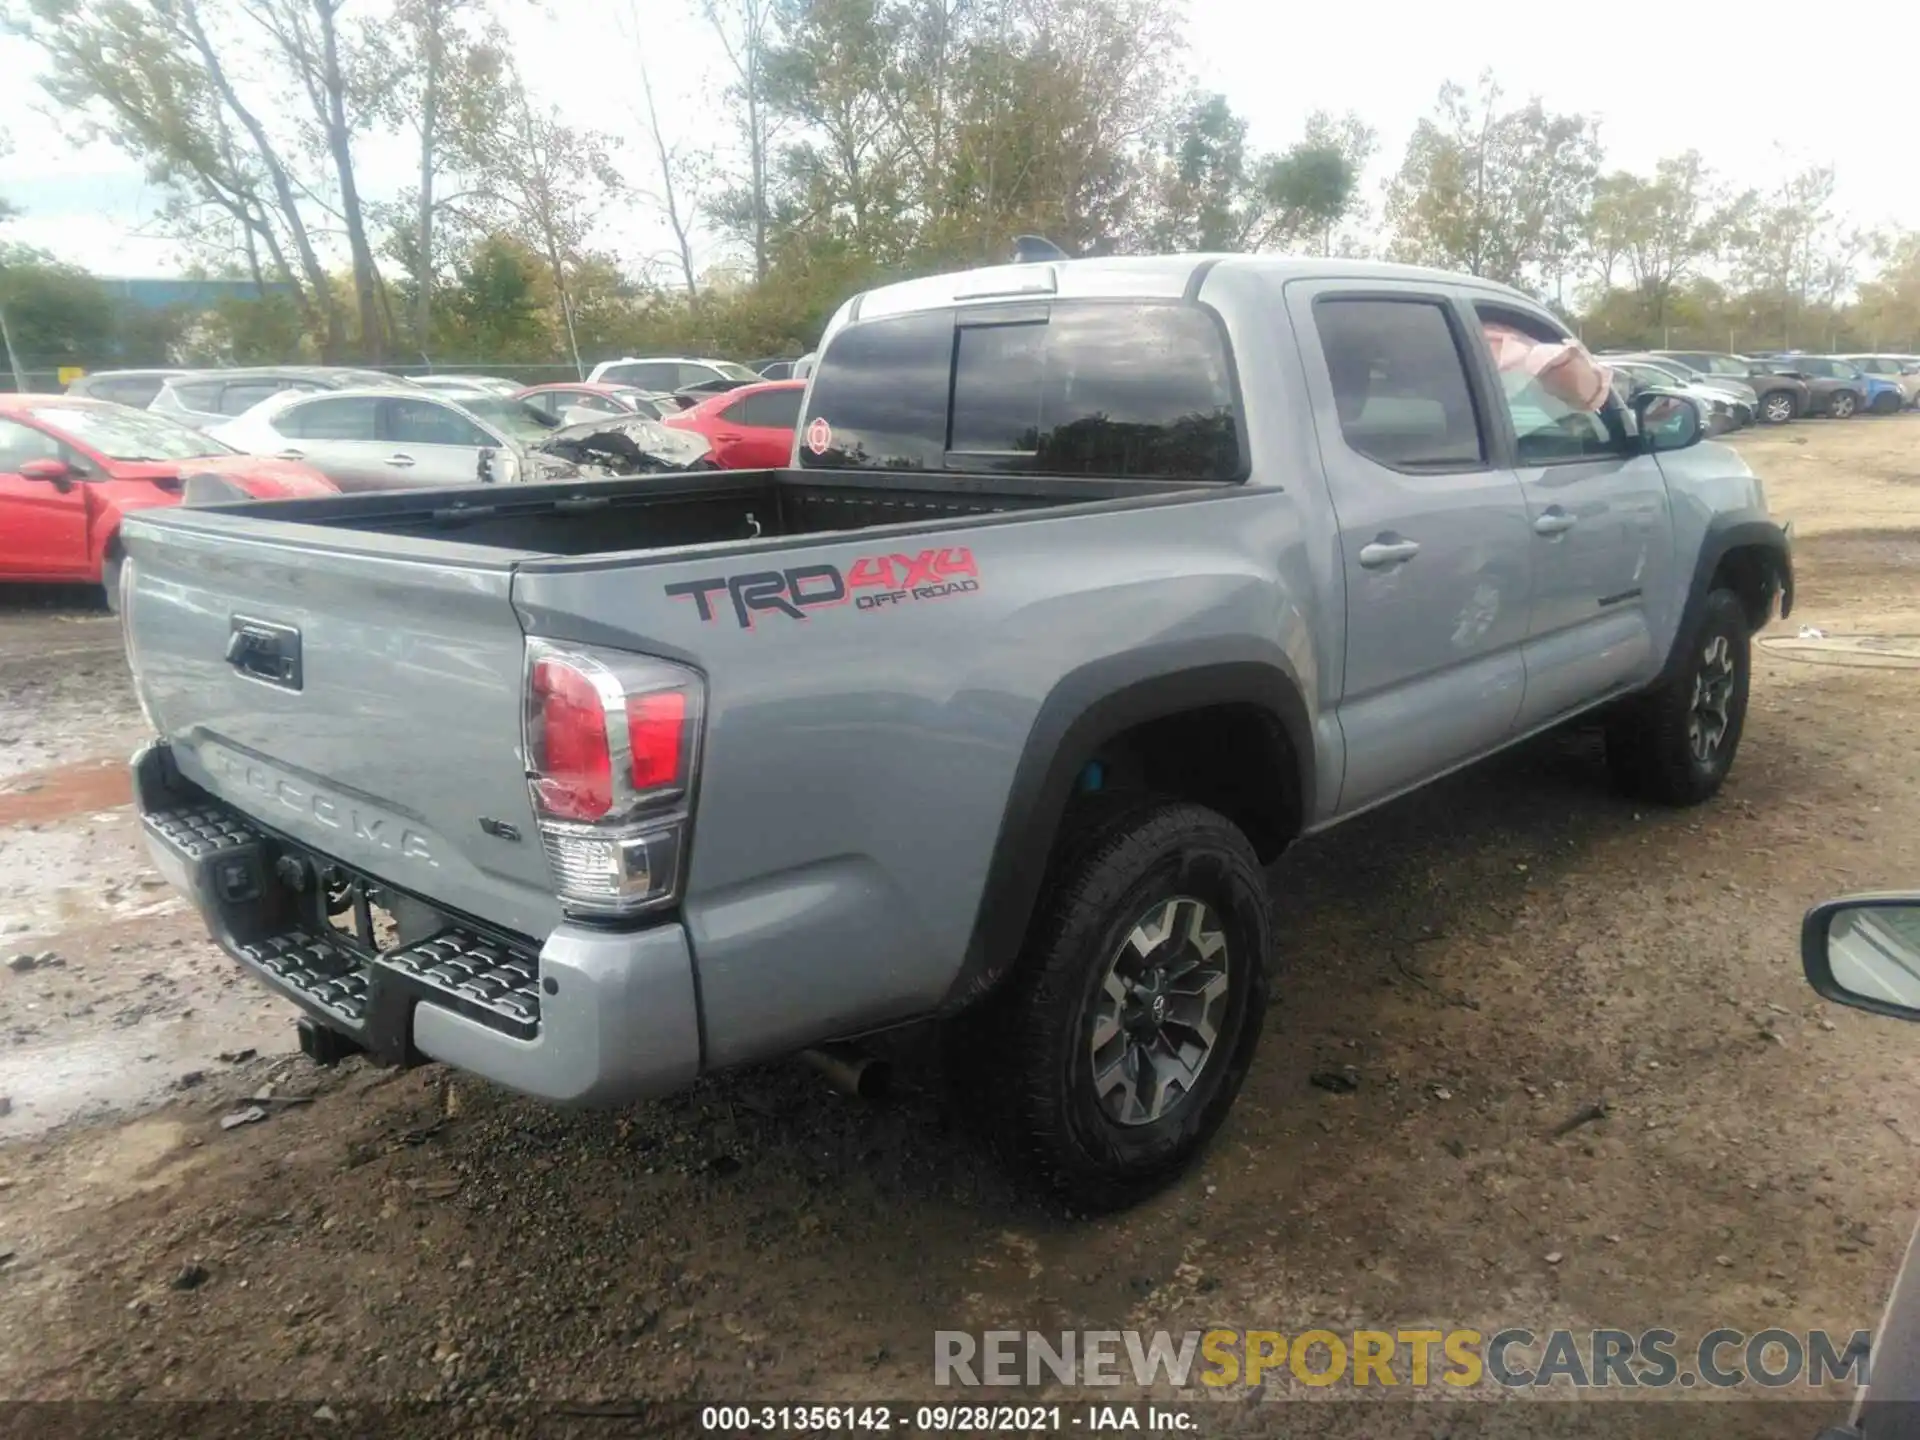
{"x":1777,"y":408}
{"x":1842,"y":406}
{"x":1676,"y":743}
{"x":110,"y":580}
{"x":1119,"y":1045}
{"x":1885,"y":404}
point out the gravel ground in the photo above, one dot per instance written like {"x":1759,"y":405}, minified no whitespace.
{"x":1491,"y":958}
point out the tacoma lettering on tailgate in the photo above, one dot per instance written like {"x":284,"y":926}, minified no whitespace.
{"x":872,"y":582}
{"x":372,"y":829}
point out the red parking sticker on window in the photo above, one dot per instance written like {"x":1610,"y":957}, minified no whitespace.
{"x":819,"y":437}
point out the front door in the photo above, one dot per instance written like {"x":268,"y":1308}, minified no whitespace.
{"x":1601,"y":535}
{"x":1433,"y":533}
{"x":43,"y":526}
{"x":431,"y":444}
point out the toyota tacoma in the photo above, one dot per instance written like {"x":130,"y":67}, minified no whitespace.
{"x":1089,"y":588}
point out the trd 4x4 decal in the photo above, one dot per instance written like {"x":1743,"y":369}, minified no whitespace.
{"x":873,"y":582}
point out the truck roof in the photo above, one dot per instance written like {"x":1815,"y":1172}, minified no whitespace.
{"x":1145,"y":276}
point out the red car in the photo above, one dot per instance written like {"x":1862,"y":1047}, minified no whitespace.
{"x":70,"y":468}
{"x":750,"y":428}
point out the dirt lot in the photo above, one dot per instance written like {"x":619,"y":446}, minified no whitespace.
{"x":1489,"y":957}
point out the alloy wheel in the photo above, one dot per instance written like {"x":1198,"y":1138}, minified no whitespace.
{"x":1156,"y":1018}
{"x":1779,"y":408}
{"x":1710,"y":716}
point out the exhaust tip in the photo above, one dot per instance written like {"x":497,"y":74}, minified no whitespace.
{"x":851,"y":1071}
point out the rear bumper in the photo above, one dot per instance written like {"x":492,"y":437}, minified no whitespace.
{"x":585,"y":1016}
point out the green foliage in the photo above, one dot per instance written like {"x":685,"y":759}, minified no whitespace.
{"x":1494,"y":192}
{"x":57,"y":314}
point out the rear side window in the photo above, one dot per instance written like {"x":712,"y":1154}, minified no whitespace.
{"x":242,"y":396}
{"x":133,"y":390}
{"x":1093,"y":389}
{"x":772,"y":409}
{"x":354,"y":418}
{"x":648,"y":375}
{"x":1399,"y":382}
{"x":203,"y":396}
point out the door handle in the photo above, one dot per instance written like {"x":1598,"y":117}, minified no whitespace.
{"x":1555,"y":522}
{"x":400,"y":461}
{"x":290,"y":455}
{"x":1383,"y":552}
{"x":726,"y":437}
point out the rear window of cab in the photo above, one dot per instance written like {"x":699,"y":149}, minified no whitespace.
{"x":1096,"y":389}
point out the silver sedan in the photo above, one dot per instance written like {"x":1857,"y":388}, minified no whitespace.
{"x":400,"y":439}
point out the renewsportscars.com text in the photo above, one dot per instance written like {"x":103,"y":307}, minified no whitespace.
{"x":1513,"y":1358}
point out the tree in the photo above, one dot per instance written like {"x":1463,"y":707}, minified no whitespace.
{"x":539,"y":179}
{"x":56,"y":314}
{"x":154,"y":80}
{"x":1355,"y":142}
{"x":747,"y":34}
{"x":682,"y":170}
{"x":1664,"y":230}
{"x":1496,"y":193}
{"x":307,"y":33}
{"x":1214,"y":195}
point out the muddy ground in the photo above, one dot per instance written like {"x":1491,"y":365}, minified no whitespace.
{"x":1490,"y":958}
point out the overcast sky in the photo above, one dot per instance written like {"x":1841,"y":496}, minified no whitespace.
{"x":1757,"y":98}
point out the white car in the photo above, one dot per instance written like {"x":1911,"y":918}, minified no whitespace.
{"x":669,"y":372}
{"x":467,"y":384}
{"x":400,"y":439}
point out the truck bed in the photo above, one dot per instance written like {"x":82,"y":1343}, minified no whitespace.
{"x":673,"y":512}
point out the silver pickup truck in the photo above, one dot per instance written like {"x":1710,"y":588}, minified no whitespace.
{"x":1092,"y":586}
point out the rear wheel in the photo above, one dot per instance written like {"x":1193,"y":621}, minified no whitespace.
{"x":1886,"y":403}
{"x":1777,"y":408}
{"x":110,"y":580}
{"x":1118,"y":1047}
{"x":1842,"y":405}
{"x":1676,"y":743}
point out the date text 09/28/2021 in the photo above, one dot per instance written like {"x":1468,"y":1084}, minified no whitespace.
{"x":1092,"y":1419}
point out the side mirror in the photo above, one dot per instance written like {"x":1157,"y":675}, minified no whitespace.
{"x":1864,"y":951}
{"x":499,"y":466}
{"x":1668,"y":421}
{"x":56,"y":473}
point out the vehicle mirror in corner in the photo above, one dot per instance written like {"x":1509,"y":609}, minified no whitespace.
{"x":54,"y":472}
{"x":1864,"y":951}
{"x":1668,"y":421}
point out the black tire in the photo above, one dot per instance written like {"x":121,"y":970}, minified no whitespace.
{"x":110,"y":581}
{"x":1842,"y":405}
{"x":1885,"y":404}
{"x":1653,"y":748}
{"x":1778,"y":408}
{"x":1033,"y":1042}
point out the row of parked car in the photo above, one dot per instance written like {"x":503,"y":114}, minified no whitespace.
{"x":72,"y":465}
{"x":1774,"y":389}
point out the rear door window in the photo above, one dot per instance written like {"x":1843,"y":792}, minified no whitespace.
{"x":1118,"y":390}
{"x":1400,"y":384}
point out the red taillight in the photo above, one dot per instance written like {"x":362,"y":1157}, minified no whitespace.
{"x":573,"y":768}
{"x":656,"y":726}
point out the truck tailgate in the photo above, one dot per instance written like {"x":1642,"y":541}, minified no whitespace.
{"x":365,"y":704}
